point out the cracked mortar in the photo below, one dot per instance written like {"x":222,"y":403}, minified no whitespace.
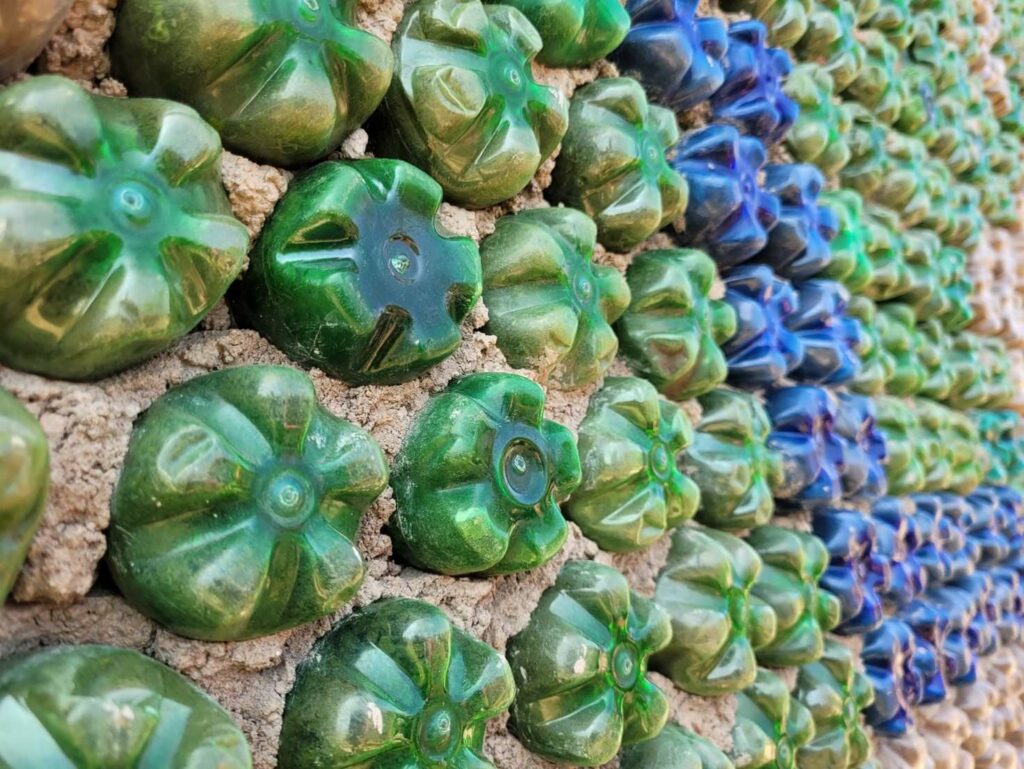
{"x":63,"y":594}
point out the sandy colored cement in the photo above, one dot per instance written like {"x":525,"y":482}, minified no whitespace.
{"x":253,"y":189}
{"x":77,"y":50}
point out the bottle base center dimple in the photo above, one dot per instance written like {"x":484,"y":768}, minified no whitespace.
{"x":625,"y":666}
{"x":439,"y":734}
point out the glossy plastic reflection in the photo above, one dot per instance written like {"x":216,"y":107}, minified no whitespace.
{"x":850,"y":264}
{"x":118,"y":236}
{"x":855,"y":570}
{"x":888,"y":655}
{"x":918,"y":116}
{"x":728,"y":215}
{"x":803,"y":437}
{"x":548,"y":304}
{"x":902,"y":185}
{"x":968,"y":388}
{"x":994,"y":381}
{"x":819,"y":134}
{"x":793,"y":565}
{"x":763,"y":350}
{"x":955,"y":460}
{"x":730,"y":462}
{"x":866,"y":140}
{"x":463,"y":104}
{"x":716,"y":623}
{"x":1011,"y":503}
{"x":238,"y":506}
{"x":890,"y":273}
{"x":981,"y":633}
{"x":877,"y":85}
{"x":935,"y":528}
{"x":752,"y":97}
{"x":671,"y":331}
{"x":902,"y":341}
{"x":24,"y":480}
{"x":432,"y":687}
{"x":962,"y":552}
{"x":894,"y":19}
{"x":632,"y":491}
{"x":957,"y":608}
{"x":97,"y":706}
{"x":864,"y":451}
{"x":830,"y":41}
{"x":930,"y":626}
{"x":580,"y":668}
{"x":351,"y":274}
{"x":898,"y":533}
{"x":798,"y":244}
{"x":751,"y":747}
{"x":877,"y":364}
{"x":967,"y":222}
{"x":675,"y":747}
{"x":922,"y":249}
{"x":282,"y":81}
{"x":676,"y":55}
{"x":980,"y":368}
{"x":767,"y":708}
{"x":937,"y":286}
{"x":999,"y":431}
{"x":957,"y":289}
{"x":1006,"y":594}
{"x":479,"y":478}
{"x":575,"y":33}
{"x":904,"y":470}
{"x":888,"y":168}
{"x":27,"y":27}
{"x":983,"y":521}
{"x":835,"y":693}
{"x":933,"y":348}
{"x":612,"y":164}
{"x":829,"y":336}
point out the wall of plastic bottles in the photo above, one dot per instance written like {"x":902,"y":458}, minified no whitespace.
{"x":459,"y":385}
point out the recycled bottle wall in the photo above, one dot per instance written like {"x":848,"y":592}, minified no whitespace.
{"x":811,"y":303}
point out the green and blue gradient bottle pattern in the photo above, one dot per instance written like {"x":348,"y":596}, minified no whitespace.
{"x":483,"y":479}
{"x":671,"y":331}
